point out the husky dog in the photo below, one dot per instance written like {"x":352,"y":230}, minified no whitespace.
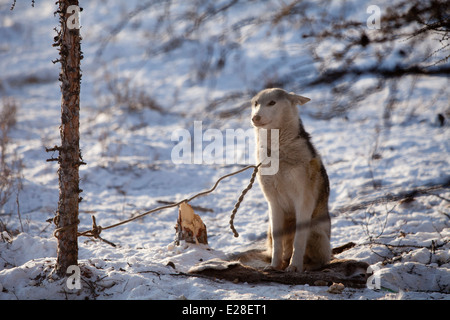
{"x":299,"y":221}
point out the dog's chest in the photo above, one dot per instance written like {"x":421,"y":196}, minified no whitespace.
{"x":280,"y":188}
{"x":285,"y":182}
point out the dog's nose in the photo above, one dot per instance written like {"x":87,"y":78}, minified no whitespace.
{"x":256,"y":118}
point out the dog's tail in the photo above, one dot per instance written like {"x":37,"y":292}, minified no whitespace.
{"x":256,"y":258}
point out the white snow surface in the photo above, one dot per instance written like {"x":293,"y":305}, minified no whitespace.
{"x":129,"y":169}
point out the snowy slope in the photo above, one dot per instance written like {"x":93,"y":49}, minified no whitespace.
{"x":130,"y":170}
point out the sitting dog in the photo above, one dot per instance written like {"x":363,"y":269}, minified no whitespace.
{"x":297,"y":194}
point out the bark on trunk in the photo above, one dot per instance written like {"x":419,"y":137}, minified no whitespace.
{"x":69,"y":159}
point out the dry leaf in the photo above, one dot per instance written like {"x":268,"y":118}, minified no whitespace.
{"x":336,"y":288}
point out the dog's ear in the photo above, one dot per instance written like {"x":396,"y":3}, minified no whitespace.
{"x":297,"y":99}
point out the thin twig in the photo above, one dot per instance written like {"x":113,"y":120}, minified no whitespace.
{"x":420,"y":191}
{"x":18,"y":211}
{"x":196,"y":208}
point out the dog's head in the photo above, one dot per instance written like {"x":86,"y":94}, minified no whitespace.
{"x":272,"y":107}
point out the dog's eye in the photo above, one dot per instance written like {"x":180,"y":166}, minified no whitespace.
{"x":256,"y":103}
{"x":271,"y":103}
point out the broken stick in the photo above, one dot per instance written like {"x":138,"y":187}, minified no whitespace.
{"x":190,"y":226}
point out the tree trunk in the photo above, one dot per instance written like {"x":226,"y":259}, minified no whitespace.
{"x":69,"y":159}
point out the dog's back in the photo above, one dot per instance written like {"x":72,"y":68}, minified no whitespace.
{"x":298,"y":193}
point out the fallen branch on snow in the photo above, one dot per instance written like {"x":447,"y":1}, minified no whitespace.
{"x":350,"y":273}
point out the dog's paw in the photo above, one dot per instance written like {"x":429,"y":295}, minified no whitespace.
{"x":269,"y":268}
{"x":292,"y":268}
{"x":272,"y":268}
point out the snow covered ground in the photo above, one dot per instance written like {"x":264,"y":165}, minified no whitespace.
{"x":130,"y":169}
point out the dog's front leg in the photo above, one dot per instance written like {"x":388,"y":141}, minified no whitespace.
{"x":301,"y":236}
{"x":276,"y":227}
{"x":303,"y":220}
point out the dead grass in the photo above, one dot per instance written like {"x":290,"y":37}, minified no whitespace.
{"x":7,"y":121}
{"x":129,"y":96}
{"x":10,"y":167}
